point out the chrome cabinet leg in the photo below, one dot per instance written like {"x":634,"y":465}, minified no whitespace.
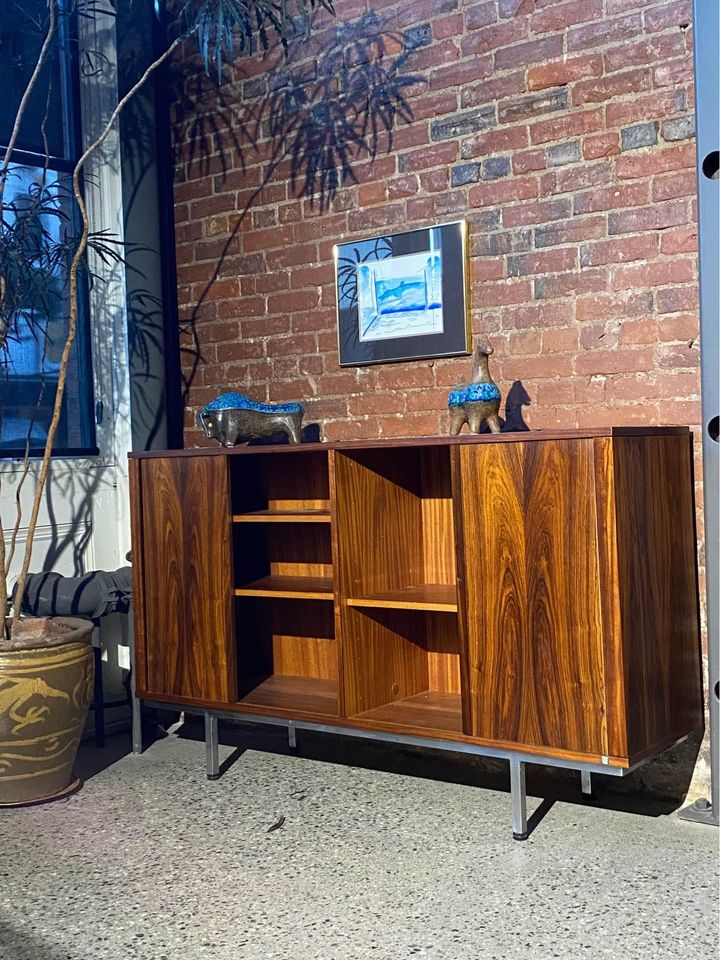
{"x":518,"y":798}
{"x":292,"y":736}
{"x":212,"y":754}
{"x":586,"y":785}
{"x":137,"y":744}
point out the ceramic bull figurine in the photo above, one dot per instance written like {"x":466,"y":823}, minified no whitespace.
{"x":477,"y":401}
{"x":234,"y":418}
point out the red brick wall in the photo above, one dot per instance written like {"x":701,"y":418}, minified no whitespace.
{"x":563,"y":133}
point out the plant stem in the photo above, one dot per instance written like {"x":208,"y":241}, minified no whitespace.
{"x":42,"y":57}
{"x":72,"y":320}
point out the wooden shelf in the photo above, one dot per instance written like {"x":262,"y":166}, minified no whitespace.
{"x":430,"y":710}
{"x":423,"y":596}
{"x":297,"y":694}
{"x":299,"y":588}
{"x":283,"y":516}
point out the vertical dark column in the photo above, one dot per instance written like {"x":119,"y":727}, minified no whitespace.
{"x":147,"y":175}
{"x":706,"y":21}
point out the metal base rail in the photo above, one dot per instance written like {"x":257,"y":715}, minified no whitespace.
{"x":517,"y":761}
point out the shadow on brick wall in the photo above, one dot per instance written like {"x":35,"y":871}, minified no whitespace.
{"x":329,"y":104}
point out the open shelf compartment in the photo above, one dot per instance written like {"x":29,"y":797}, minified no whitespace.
{"x":396,"y":538}
{"x":280,"y":549}
{"x":403,"y":669}
{"x":284,"y":488}
{"x":287,"y":656}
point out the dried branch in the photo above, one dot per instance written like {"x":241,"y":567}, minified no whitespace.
{"x":26,"y":458}
{"x":34,"y":77}
{"x":72,"y":322}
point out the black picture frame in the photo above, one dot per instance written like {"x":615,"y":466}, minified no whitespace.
{"x":403,"y":296}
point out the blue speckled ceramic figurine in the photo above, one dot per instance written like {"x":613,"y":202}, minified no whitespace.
{"x":233,"y":418}
{"x":477,"y":401}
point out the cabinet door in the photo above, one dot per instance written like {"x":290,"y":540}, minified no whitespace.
{"x":182,"y":510}
{"x":531,"y":594}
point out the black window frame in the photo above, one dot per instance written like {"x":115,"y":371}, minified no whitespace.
{"x":72,"y":144}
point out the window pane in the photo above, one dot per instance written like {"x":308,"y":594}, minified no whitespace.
{"x":34,"y":256}
{"x":23,"y":25}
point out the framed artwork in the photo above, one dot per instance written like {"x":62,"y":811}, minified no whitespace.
{"x":403,"y":296}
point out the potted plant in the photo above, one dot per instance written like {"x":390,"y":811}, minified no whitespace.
{"x":46,"y":666}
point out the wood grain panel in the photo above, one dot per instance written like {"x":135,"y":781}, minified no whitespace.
{"x":381,"y":663}
{"x":534,"y":436}
{"x":294,"y":696}
{"x":437,"y":517}
{"x":379,"y":523}
{"x":426,"y":596}
{"x":286,"y":637}
{"x":284,"y":516}
{"x":431,"y":711}
{"x":188,"y":578}
{"x":299,"y":588}
{"x":531,"y":587}
{"x":615,"y":694}
{"x":305,"y":656}
{"x":139,"y":638}
{"x":303,"y":639}
{"x":441,"y":641}
{"x":657,"y":577}
{"x":298,"y":484}
{"x":282,"y":550}
{"x":289,"y":481}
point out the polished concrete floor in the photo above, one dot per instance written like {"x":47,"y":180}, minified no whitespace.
{"x":347,"y":851}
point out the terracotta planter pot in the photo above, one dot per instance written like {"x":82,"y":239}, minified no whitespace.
{"x":46,"y":682}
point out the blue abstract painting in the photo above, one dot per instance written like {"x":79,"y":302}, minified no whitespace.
{"x":400,"y":297}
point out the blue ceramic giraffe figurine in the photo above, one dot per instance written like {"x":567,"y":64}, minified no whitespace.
{"x":477,"y":401}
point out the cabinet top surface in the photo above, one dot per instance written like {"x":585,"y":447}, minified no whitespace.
{"x":396,"y":442}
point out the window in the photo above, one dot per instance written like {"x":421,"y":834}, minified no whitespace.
{"x":38,"y":222}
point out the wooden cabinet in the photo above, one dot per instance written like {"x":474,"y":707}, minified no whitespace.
{"x":528,"y":593}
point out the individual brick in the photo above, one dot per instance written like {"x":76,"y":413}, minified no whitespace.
{"x":494,"y":168}
{"x":497,"y":244}
{"x":677,"y":14}
{"x":608,"y":88}
{"x":659,"y":103}
{"x":419,"y":36}
{"x":603,"y":31}
{"x":621,"y":250}
{"x":255,"y":88}
{"x":465,"y":173}
{"x":673,"y":73}
{"x":545,"y":261}
{"x":536,"y":51}
{"x":563,"y":15}
{"x":639,"y":135}
{"x":563,"y":153}
{"x":496,"y":141}
{"x":480,"y":15}
{"x":529,"y":160}
{"x":659,"y":216}
{"x":513,"y":8}
{"x":564,"y":71}
{"x":460,"y":124}
{"x":601,"y":145}
{"x":537,"y":103}
{"x":427,"y":157}
{"x":679,"y":128}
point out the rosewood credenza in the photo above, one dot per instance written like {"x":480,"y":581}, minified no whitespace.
{"x":531,"y":596}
